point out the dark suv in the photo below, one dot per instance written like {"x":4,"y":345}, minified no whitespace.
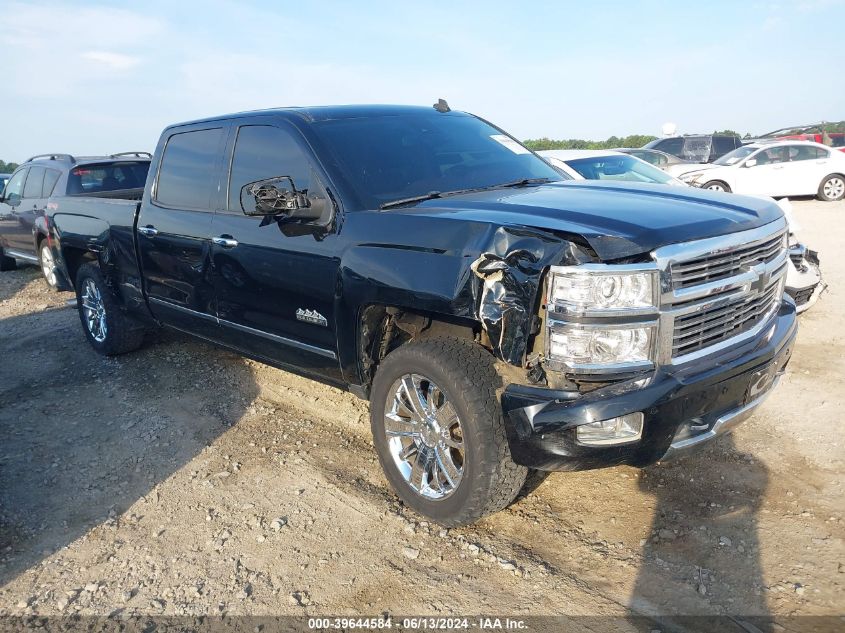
{"x":25,"y":198}
{"x":697,"y":148}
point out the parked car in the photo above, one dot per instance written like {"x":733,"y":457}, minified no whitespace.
{"x":497,"y":318}
{"x":696,"y":148}
{"x":40,"y":181}
{"x":4,"y":178}
{"x":605,"y":164}
{"x":672,"y":165}
{"x":776,"y":169}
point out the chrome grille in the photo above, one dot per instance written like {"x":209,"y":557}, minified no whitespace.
{"x":719,"y":291}
{"x":716,"y":266}
{"x":699,"y":330}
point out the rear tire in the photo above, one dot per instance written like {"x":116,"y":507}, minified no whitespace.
{"x":832,"y":188}
{"x":48,"y":266}
{"x":479,"y":477}
{"x":7,"y":263}
{"x":109,"y":330}
{"x":716,"y":185}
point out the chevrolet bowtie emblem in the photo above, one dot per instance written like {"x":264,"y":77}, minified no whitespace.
{"x":758,"y":286}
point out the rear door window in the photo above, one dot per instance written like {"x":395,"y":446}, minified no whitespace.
{"x":51,"y":177}
{"x":188,"y":172}
{"x":806,"y":152}
{"x":34,"y":182}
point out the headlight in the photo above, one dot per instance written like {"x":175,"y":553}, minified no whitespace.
{"x":691,"y":177}
{"x":587,"y":347}
{"x":604,"y":289}
{"x":602,"y":317}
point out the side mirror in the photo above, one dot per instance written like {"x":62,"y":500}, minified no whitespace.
{"x":277,"y":196}
{"x":271,"y":196}
{"x":751,"y":162}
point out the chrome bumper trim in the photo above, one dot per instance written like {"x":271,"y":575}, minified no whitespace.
{"x":724,"y":424}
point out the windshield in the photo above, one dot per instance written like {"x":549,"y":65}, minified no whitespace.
{"x":388,"y":158}
{"x":735,"y":156}
{"x":624,"y":167}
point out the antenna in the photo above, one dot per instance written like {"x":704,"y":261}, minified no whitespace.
{"x":442,"y":106}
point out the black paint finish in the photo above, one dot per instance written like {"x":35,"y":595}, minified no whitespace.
{"x":475,"y":259}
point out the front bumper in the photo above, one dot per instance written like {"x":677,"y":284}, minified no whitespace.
{"x":804,"y":281}
{"x":682,"y":406}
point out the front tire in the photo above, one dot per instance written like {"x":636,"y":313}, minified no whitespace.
{"x":716,"y":185}
{"x":832,"y":188}
{"x":48,"y":265}
{"x":108,"y":329}
{"x":439,"y":431}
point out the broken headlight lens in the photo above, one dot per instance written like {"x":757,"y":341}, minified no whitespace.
{"x":602,"y":347}
{"x":587,"y":290}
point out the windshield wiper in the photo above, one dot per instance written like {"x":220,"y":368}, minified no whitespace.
{"x":520,"y":183}
{"x":432,"y":195}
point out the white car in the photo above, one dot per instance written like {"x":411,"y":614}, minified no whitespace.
{"x":777,"y":169}
{"x":595,"y":164}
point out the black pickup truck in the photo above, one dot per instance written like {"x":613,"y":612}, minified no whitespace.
{"x":41,"y":181}
{"x":498,"y":318}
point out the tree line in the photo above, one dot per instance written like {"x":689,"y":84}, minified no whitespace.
{"x":7,"y":168}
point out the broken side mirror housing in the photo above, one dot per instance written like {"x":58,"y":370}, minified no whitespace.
{"x":278,"y":196}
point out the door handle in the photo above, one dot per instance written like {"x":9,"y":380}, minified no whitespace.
{"x":226,"y":241}
{"x":149,"y":230}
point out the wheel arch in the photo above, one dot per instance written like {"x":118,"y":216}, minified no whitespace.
{"x":382,"y":328}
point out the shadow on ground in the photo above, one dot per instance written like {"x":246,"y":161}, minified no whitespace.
{"x":85,"y":437}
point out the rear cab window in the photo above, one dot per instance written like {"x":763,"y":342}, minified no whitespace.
{"x":188,"y":171}
{"x":103,"y":177}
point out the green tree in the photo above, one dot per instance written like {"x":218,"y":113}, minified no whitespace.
{"x":7,"y":168}
{"x":633,"y":140}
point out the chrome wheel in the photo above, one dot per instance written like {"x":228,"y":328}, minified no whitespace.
{"x":94,"y":310}
{"x":834,"y":188}
{"x":48,"y":265}
{"x":424,"y":436}
{"x":716,"y":187}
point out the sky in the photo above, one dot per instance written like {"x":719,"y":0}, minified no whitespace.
{"x":102,"y":77}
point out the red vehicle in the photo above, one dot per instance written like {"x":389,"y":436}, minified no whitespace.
{"x":811,"y":133}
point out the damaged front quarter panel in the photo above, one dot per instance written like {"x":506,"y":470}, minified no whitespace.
{"x":511,"y":277}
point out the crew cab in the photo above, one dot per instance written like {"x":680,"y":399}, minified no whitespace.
{"x":498,"y":318}
{"x":41,"y":181}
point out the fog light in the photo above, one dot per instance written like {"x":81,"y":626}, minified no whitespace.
{"x":625,"y":428}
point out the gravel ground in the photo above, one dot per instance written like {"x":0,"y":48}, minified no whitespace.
{"x":182,"y":479}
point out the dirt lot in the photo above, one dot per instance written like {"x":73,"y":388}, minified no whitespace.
{"x":182,"y":479}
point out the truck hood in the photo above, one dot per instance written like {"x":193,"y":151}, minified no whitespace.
{"x":617,"y":219}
